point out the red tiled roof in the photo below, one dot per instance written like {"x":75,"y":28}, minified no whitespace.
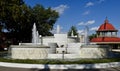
{"x":106,"y":26}
{"x":106,"y":39}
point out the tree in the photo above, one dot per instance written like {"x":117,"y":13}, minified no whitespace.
{"x":18,"y":19}
{"x":10,"y":16}
{"x":74,"y":30}
{"x":44,"y":19}
{"x":92,"y":36}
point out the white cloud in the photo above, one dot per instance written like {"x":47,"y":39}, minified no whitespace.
{"x":81,"y":23}
{"x":60,"y":9}
{"x":89,"y":22}
{"x":86,"y":13}
{"x":89,"y":4}
{"x":94,"y":28}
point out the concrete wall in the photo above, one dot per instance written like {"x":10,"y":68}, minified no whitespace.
{"x":61,"y":56}
{"x":60,"y":50}
{"x":60,"y":39}
{"x":53,"y":47}
{"x":19,"y":52}
{"x":76,"y":53}
{"x":74,"y":48}
{"x":72,"y":40}
{"x":94,"y":52}
{"x":47,"y":40}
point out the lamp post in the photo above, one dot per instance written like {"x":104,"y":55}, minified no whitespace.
{"x":66,"y":49}
{"x":41,"y":39}
{"x":63,"y":52}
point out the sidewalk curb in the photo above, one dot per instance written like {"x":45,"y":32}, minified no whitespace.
{"x":61,"y":66}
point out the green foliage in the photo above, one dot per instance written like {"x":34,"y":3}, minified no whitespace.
{"x":92,"y":36}
{"x":74,"y":30}
{"x":14,"y":16}
{"x":18,"y":18}
{"x":53,"y":61}
{"x":44,"y":18}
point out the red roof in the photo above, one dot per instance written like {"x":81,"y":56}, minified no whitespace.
{"x":106,"y":39}
{"x":106,"y":27}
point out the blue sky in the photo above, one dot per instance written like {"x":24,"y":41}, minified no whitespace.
{"x":80,"y":12}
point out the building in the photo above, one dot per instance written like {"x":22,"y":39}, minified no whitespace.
{"x":107,"y":35}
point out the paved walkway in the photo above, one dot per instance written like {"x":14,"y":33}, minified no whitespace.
{"x":113,"y":66}
{"x":25,"y":69}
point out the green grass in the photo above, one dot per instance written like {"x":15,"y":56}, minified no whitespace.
{"x":53,"y":61}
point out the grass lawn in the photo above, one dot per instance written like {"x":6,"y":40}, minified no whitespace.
{"x":53,"y":61}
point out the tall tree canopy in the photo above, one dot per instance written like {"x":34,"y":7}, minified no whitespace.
{"x":73,"y":30}
{"x":18,"y":18}
{"x":44,"y":19}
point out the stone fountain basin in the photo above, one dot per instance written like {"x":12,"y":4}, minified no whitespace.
{"x":29,"y":51}
{"x":94,"y":51}
{"x":30,"y":44}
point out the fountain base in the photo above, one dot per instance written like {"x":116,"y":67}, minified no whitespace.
{"x":94,"y":51}
{"x":29,"y":52}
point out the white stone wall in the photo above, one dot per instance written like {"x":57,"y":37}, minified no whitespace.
{"x":60,"y":39}
{"x":74,"y":48}
{"x":72,"y":40}
{"x":82,"y":38}
{"x":66,"y":56}
{"x":81,"y":53}
{"x":47,"y":40}
{"x":29,"y":53}
{"x":72,"y":53}
{"x":93,"y":52}
{"x":60,"y":50}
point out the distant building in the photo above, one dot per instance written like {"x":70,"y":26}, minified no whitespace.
{"x":107,"y":35}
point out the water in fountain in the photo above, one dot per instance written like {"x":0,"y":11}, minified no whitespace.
{"x":86,"y":35}
{"x":72,"y":33}
{"x":35,"y":35}
{"x":58,"y":29}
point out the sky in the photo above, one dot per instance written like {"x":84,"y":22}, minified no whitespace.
{"x":79,"y":13}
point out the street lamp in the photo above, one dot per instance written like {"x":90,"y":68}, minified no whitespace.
{"x":63,"y":52}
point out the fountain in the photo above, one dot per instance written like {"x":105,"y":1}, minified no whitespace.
{"x":32,"y":50}
{"x":58,"y":29}
{"x":86,"y":35}
{"x":71,"y":48}
{"x":35,"y":34}
{"x":93,"y":51}
{"x":72,"y":35}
